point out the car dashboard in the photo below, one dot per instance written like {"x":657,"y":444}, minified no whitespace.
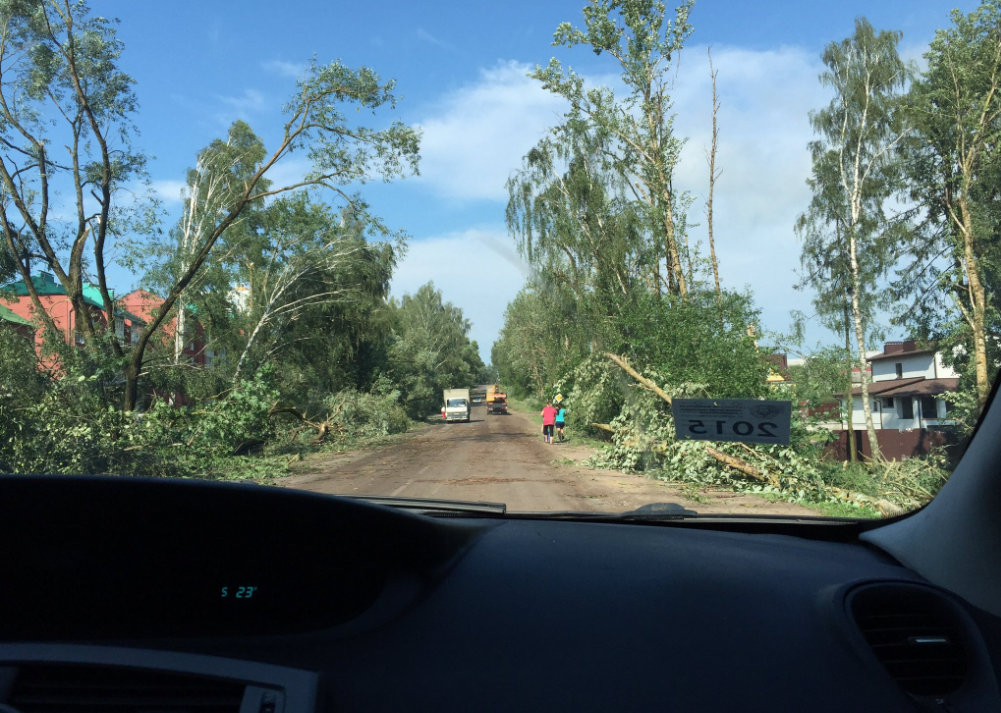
{"x":138,"y":595}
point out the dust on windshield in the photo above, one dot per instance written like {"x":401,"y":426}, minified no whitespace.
{"x":757,"y":281}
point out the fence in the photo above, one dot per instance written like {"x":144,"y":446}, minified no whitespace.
{"x":894,"y":445}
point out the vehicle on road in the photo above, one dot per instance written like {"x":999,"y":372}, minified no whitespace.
{"x":498,"y":405}
{"x":456,"y":405}
{"x":479,"y":394}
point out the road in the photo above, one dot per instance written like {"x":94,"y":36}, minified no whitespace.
{"x":503,"y":459}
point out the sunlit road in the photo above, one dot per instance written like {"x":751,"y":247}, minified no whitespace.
{"x":502,"y":459}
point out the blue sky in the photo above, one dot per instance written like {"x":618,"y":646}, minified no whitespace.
{"x":460,"y":69}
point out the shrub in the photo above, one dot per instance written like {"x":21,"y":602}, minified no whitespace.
{"x":357,"y":414}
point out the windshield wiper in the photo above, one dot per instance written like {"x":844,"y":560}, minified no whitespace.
{"x":432,"y":506}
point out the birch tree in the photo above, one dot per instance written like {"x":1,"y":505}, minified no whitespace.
{"x":213,"y":184}
{"x":572,"y":217}
{"x":859,"y":132}
{"x":644,"y":41}
{"x":714,"y":174}
{"x":305,"y":261}
{"x":955,"y":107}
{"x":342,"y":153}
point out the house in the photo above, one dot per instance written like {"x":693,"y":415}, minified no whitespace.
{"x":19,"y":325}
{"x":906,"y":389}
{"x":57,"y":304}
{"x":195,"y":350}
{"x":908,"y":411}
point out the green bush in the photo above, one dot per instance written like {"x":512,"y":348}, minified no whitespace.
{"x":357,"y":414}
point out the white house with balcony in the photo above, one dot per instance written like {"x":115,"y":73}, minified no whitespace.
{"x":906,"y":389}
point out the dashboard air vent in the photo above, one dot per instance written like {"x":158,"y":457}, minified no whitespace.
{"x":916,"y":634}
{"x":96,"y":689}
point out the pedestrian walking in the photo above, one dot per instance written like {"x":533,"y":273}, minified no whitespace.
{"x":561,"y":421}
{"x":548,"y":420}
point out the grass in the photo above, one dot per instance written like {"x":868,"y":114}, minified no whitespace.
{"x":524,"y":407}
{"x":574,"y":436}
{"x":827,"y":509}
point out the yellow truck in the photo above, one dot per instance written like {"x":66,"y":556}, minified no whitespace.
{"x":492,"y":391}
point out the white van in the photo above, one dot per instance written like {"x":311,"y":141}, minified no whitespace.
{"x":456,"y":405}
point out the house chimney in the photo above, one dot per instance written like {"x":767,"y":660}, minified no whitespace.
{"x":910,"y":345}
{"x":46,"y":277}
{"x":893,"y":347}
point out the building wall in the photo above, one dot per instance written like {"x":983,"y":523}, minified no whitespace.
{"x":59,"y":308}
{"x":944,"y":372}
{"x":913,"y":366}
{"x":891,"y":418}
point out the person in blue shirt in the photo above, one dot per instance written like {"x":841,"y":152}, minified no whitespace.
{"x":561,"y":421}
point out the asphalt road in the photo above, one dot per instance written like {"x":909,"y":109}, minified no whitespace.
{"x":503,"y":459}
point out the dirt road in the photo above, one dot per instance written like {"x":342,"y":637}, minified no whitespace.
{"x":503,"y":459}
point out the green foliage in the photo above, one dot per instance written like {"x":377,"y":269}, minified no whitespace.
{"x":612,"y":144}
{"x":430,"y":350}
{"x":953,"y":172}
{"x":357,"y":414}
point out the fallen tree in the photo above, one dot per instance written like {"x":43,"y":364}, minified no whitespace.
{"x":768,"y":469}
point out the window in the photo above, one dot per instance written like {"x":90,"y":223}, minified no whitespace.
{"x":928,"y":407}
{"x":906,"y":407}
{"x":887,"y":401}
{"x":900,"y":370}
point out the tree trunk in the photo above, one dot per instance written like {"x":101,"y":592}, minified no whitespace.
{"x":712,"y":183}
{"x":179,"y":334}
{"x":674,"y":255}
{"x":978,"y":303}
{"x":860,"y":339}
{"x":850,"y":400}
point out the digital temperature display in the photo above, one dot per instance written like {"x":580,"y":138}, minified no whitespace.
{"x":237,"y":592}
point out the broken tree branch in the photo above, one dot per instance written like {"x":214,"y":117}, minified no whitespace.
{"x":645,"y":382}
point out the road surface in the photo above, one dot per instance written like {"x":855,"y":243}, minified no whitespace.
{"x":503,"y":459}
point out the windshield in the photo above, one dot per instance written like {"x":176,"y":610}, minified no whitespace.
{"x":754,"y":280}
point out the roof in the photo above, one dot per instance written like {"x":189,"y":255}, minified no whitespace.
{"x":899,"y":355}
{"x":8,"y":315}
{"x":917,"y":386}
{"x":45,"y":284}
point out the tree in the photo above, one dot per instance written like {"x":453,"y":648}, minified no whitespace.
{"x":342,"y":154}
{"x":304,"y":264}
{"x":953,"y":166}
{"x":65,"y":113}
{"x":430,"y":349}
{"x":575,"y":225}
{"x":219,"y":174}
{"x":859,"y":131}
{"x":638,"y":130}
{"x":714,"y":174}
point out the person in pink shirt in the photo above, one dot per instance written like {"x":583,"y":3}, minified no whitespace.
{"x":548,"y":419}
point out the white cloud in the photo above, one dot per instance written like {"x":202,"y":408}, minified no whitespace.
{"x":475,"y":269}
{"x":478,"y":136}
{"x":479,"y":133}
{"x":765,"y":100}
{"x":284,"y":69}
{"x":243,"y":105}
{"x":289,"y":171}
{"x":168,"y":190}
